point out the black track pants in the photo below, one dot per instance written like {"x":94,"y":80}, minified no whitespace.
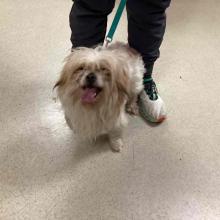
{"x":146,"y":24}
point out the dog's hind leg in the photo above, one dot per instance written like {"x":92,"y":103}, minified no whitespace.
{"x":115,"y":138}
{"x":131,"y":106}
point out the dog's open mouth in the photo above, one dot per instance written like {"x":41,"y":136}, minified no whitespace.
{"x":89,"y":94}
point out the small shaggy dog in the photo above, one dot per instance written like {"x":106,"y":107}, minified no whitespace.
{"x":96,"y":87}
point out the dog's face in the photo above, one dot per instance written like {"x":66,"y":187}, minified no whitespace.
{"x":93,"y":77}
{"x":93,"y":80}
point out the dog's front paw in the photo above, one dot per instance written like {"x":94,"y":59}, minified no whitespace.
{"x":116,"y":144}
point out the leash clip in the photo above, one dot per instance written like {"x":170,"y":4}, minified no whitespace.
{"x":107,"y":41}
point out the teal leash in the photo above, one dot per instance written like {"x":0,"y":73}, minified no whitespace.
{"x":111,"y":32}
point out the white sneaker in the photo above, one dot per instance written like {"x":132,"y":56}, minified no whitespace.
{"x":151,"y":106}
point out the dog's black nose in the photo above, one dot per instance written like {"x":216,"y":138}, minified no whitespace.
{"x":91,"y":78}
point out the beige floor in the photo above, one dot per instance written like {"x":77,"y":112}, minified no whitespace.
{"x":167,"y":172}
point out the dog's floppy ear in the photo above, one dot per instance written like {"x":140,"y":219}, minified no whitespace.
{"x":64,"y":73}
{"x":123,"y":82}
{"x":62,"y":80}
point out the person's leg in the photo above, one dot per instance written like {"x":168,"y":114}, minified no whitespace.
{"x":88,"y":21}
{"x":146,"y":27}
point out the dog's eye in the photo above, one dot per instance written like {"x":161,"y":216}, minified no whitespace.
{"x":108,"y":75}
{"x":80,"y":68}
{"x":103,"y":69}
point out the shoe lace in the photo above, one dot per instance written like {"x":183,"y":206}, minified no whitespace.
{"x":151,"y":90}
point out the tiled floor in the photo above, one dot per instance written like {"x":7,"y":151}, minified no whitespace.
{"x":167,"y":172}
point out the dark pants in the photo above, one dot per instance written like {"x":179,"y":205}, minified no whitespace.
{"x":146,"y":24}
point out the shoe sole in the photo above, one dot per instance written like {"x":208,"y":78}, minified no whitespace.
{"x":147,"y":117}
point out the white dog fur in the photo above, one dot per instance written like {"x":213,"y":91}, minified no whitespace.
{"x":100,"y":108}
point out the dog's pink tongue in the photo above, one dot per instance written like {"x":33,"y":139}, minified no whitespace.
{"x":89,"y":95}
